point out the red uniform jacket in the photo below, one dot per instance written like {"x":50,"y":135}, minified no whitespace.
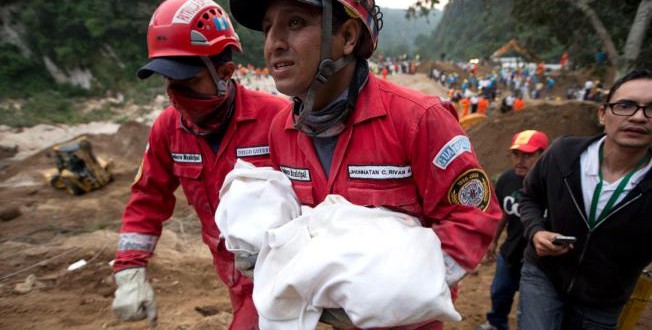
{"x":176,"y":157}
{"x":406,"y":151}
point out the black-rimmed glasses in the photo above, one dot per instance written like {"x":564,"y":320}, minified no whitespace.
{"x":626,"y":108}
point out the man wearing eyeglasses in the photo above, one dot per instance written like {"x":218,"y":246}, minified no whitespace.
{"x":598,"y":190}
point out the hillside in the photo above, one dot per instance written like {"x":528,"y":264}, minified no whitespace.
{"x":399,"y":34}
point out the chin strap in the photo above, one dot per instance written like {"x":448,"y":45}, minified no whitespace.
{"x":327,"y":67}
{"x":221,"y":86}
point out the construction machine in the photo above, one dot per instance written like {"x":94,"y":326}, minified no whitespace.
{"x":77,"y":170}
{"x":516,"y":47}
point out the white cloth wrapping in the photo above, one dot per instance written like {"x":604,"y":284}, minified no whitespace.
{"x":252,"y":200}
{"x":380,"y":266}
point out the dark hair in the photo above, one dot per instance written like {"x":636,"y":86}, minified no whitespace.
{"x":634,"y":75}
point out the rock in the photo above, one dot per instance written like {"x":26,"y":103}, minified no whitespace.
{"x":207,"y":310}
{"x":9,"y":213}
{"x":27,"y":286}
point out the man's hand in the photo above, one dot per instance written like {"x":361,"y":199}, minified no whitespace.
{"x":337,"y":318}
{"x":491,"y":251}
{"x":134,"y":298}
{"x":245,"y":263}
{"x":542,"y":241}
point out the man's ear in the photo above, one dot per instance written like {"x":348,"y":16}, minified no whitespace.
{"x":601,"y":112}
{"x":351,"y":31}
{"x":225,"y":70}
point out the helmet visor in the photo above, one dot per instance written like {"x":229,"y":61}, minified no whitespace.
{"x":175,"y":68}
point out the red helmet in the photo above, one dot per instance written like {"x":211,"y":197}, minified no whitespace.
{"x":190,"y":28}
{"x":250,"y":14}
{"x":368,"y":13}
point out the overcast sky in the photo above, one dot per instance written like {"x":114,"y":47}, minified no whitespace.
{"x":404,"y":4}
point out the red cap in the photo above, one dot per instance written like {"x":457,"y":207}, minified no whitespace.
{"x":529,"y":141}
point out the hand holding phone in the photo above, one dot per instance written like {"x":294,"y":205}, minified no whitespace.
{"x":562,"y":240}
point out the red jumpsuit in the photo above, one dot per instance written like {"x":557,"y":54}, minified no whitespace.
{"x":406,"y":151}
{"x":175,"y":156}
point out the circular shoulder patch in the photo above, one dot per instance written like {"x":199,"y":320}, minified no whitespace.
{"x":471,"y":188}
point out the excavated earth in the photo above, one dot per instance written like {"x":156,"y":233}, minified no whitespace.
{"x":43,"y":230}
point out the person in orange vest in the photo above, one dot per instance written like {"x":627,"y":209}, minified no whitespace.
{"x":384,"y":72}
{"x":466,"y":105}
{"x":563,"y":61}
{"x":483,"y":104}
{"x":519,"y":104}
{"x":540,"y":69}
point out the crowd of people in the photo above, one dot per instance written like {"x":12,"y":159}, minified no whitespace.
{"x":344,"y":132}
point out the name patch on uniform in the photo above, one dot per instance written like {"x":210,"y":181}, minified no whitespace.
{"x":252,"y":151}
{"x":296,"y":174}
{"x":471,"y":188}
{"x":453,"y":149}
{"x":186,"y":158}
{"x":379,"y":172}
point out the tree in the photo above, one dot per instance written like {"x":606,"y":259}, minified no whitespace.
{"x":624,"y":62}
{"x":595,"y":11}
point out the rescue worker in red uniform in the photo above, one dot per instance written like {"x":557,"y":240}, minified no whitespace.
{"x":194,"y":143}
{"x":373,"y":142}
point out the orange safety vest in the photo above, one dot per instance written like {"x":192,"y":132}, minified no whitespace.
{"x":466,"y":104}
{"x":483,"y":104}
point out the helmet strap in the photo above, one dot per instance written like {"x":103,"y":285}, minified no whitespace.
{"x":221,"y":86}
{"x":327,"y":67}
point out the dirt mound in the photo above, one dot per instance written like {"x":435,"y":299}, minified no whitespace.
{"x":491,"y":138}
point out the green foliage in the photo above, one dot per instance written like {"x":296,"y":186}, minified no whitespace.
{"x":48,"y":107}
{"x":19,"y":75}
{"x":476,"y":28}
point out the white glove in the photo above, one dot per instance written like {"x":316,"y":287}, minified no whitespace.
{"x":134,"y":298}
{"x":246,"y":262}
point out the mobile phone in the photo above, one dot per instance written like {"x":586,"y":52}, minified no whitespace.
{"x":564,"y":240}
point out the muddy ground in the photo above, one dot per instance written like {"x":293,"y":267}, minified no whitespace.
{"x":43,"y":231}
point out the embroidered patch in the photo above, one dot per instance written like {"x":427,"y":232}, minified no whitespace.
{"x":186,"y":158}
{"x":296,"y":174}
{"x":471,"y":188}
{"x":251,"y":152}
{"x":136,"y":241}
{"x":453,"y":149}
{"x":379,"y":172}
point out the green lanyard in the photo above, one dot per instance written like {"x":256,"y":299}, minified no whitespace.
{"x":614,"y":197}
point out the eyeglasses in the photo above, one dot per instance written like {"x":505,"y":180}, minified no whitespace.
{"x":628,"y":108}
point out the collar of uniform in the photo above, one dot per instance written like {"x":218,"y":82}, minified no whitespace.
{"x":244,"y":109}
{"x":369,"y":104}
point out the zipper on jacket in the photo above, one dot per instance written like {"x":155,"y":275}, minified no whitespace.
{"x":588,"y":236}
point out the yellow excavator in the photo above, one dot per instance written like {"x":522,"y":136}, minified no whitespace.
{"x":77,"y":170}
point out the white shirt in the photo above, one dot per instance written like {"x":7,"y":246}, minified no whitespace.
{"x":590,"y":166}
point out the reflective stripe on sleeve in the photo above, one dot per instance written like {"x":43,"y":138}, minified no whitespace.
{"x":136,"y":241}
{"x":454,"y":272}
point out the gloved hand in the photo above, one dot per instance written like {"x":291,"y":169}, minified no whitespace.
{"x":134,"y":298}
{"x":246,"y":262}
{"x":337,"y":318}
